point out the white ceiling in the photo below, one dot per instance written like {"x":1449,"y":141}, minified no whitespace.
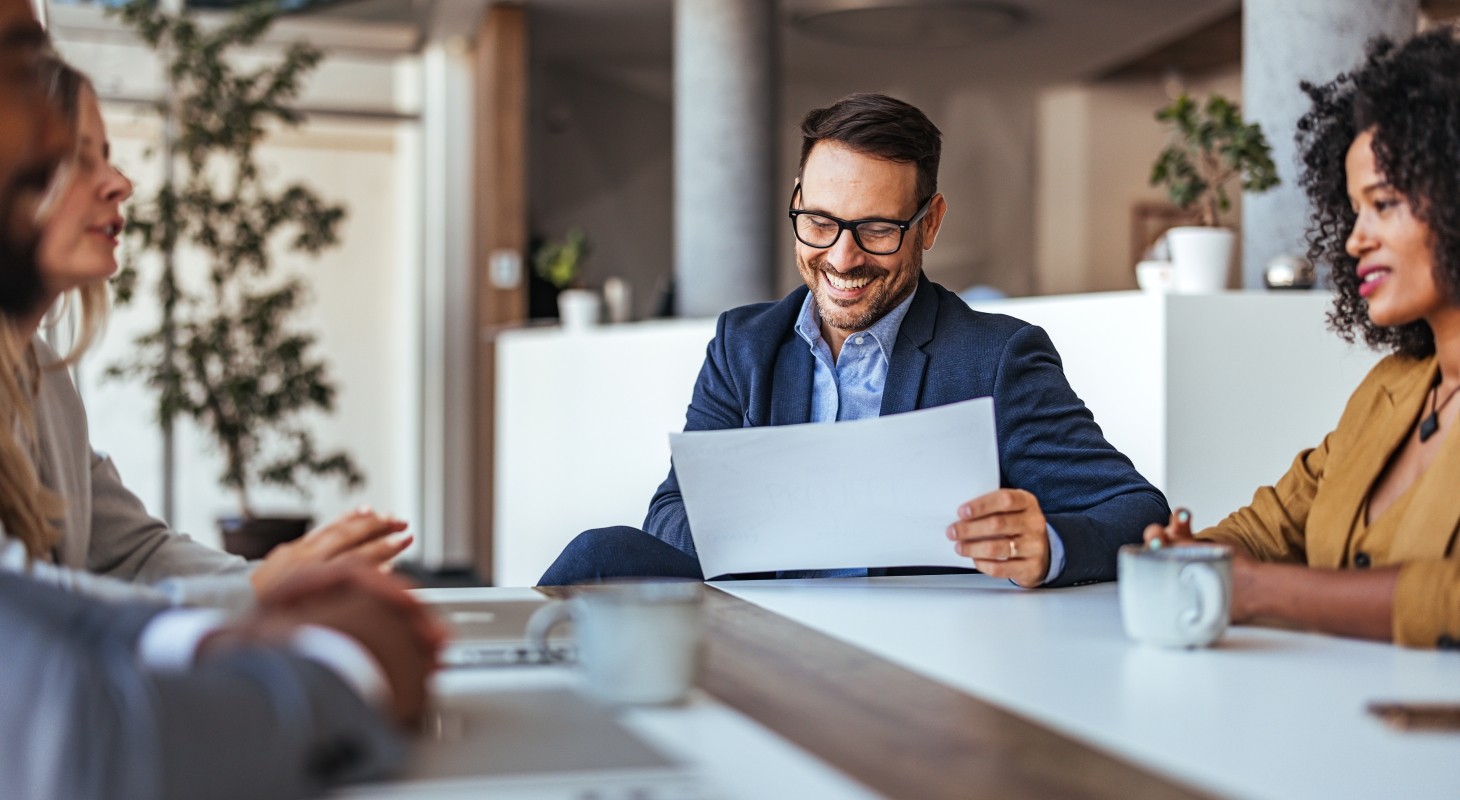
{"x":631,"y":40}
{"x":1060,"y":40}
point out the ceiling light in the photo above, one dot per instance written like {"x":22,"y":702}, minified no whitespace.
{"x":907,"y":23}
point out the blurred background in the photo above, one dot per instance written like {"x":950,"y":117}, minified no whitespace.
{"x":462,"y":135}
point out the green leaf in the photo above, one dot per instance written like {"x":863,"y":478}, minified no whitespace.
{"x":1206,"y":147}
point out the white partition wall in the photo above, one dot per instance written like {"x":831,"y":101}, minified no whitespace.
{"x":1211,"y":396}
{"x":583,"y":423}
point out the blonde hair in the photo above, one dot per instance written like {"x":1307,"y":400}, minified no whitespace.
{"x":28,"y":510}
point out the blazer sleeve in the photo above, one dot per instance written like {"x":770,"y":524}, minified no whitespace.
{"x":122,"y":541}
{"x":1427,"y":604}
{"x":713,"y":406}
{"x":1272,"y":527}
{"x":84,"y":720}
{"x":131,"y":545}
{"x":1050,"y":445}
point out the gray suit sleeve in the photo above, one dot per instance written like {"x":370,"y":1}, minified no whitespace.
{"x":262,"y":723}
{"x":82,"y":719}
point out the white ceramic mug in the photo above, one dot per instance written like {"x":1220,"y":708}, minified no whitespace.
{"x":1175,"y":596}
{"x":638,"y":641}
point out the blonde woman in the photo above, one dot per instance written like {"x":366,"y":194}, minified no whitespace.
{"x":102,"y":528}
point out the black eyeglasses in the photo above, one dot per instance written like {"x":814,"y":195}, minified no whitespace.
{"x":880,"y":237}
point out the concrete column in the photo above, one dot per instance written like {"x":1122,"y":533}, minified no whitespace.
{"x":1284,"y":42}
{"x":449,"y":336}
{"x":725,"y":97}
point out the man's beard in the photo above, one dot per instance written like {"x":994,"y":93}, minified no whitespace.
{"x":874,"y":307}
{"x":20,"y":276}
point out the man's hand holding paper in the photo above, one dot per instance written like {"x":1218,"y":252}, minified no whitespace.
{"x":1006,"y":535}
{"x":876,"y":492}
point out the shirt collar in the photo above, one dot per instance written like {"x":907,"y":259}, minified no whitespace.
{"x":883,"y":331}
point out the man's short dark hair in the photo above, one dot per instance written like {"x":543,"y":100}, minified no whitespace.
{"x":881,"y":126}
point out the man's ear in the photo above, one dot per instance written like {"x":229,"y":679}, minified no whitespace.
{"x":932,"y":222}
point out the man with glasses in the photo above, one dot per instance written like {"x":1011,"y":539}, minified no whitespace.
{"x":870,"y":335}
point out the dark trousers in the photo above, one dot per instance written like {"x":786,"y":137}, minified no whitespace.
{"x":624,"y":552}
{"x":618,"y":552}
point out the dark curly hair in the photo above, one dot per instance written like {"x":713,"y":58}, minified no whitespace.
{"x":1409,"y":95}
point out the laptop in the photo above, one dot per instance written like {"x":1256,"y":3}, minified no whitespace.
{"x":540,"y":744}
{"x":493,"y":632}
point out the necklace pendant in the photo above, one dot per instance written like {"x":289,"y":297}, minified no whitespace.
{"x":1428,"y":426}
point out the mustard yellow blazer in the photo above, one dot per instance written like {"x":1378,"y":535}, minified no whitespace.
{"x":1315,"y":512}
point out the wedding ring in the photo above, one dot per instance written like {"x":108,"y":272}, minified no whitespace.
{"x":1013,"y":548}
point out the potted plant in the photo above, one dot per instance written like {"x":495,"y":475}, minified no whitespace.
{"x":560,"y":263}
{"x":1209,"y":147}
{"x":228,"y":350}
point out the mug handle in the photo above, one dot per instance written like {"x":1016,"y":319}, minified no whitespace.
{"x":542,"y":622}
{"x":1211,"y":595}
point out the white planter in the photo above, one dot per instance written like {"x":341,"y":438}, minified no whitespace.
{"x":578,"y":309}
{"x":1201,"y":257}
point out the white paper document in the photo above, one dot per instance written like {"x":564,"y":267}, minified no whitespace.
{"x":870,"y":493}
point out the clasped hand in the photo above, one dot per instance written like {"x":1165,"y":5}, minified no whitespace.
{"x":374,"y":609}
{"x":1005,"y":534}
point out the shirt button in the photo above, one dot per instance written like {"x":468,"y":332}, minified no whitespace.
{"x":859,"y":340}
{"x":1361,"y":560}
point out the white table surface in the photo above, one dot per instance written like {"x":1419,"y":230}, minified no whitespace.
{"x":737,"y":758}
{"x":1265,"y":714}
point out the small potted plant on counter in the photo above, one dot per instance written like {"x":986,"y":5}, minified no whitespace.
{"x":1210,"y":146}
{"x":560,"y":263}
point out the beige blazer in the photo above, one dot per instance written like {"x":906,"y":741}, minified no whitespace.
{"x":107,"y":531}
{"x":1313,"y":514}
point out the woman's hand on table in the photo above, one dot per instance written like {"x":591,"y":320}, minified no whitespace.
{"x":1247,"y":573}
{"x":361,"y":536}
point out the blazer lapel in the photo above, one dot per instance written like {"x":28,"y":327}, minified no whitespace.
{"x":792,"y":383}
{"x":909,"y":360}
{"x":1432,"y":510}
{"x":1389,"y":419}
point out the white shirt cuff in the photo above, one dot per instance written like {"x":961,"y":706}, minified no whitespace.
{"x":345,"y":657}
{"x":170,"y":641}
{"x":1056,"y":554}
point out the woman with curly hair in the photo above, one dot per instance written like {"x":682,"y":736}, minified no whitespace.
{"x":1359,"y":537}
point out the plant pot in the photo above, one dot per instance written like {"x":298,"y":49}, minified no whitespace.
{"x":254,"y":537}
{"x":1201,"y":259}
{"x":578,"y":309}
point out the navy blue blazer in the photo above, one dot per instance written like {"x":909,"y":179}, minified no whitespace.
{"x":757,"y":371}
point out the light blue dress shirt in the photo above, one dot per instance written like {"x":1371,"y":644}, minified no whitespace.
{"x":849,"y":387}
